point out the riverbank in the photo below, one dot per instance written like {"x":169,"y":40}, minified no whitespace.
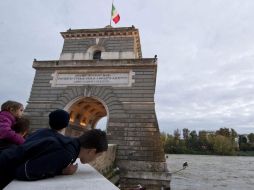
{"x":245,"y":153}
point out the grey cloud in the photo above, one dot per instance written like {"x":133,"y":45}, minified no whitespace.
{"x":205,"y":50}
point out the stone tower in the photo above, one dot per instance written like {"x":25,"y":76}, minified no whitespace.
{"x":101,"y":73}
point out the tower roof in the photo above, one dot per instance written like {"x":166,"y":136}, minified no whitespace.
{"x":105,"y":32}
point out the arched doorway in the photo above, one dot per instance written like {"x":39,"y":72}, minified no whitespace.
{"x":85,"y":113}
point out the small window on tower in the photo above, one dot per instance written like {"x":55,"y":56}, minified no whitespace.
{"x":97,"y":55}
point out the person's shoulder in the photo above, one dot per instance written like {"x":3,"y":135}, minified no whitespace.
{"x":6,"y":116}
{"x":63,"y":138}
{"x":42,"y":131}
{"x":39,"y":133}
{"x":34,"y":146}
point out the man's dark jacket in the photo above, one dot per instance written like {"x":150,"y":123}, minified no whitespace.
{"x":45,"y":154}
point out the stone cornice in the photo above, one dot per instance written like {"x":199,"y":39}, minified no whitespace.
{"x":123,"y":63}
{"x":79,"y":33}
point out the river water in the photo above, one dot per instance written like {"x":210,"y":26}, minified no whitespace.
{"x":211,"y":172}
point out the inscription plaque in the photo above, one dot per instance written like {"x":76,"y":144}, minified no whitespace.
{"x":99,"y":79}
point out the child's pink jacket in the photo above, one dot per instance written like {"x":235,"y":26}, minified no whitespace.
{"x":6,"y":133}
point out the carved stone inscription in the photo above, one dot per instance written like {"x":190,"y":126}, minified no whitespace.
{"x":99,"y":79}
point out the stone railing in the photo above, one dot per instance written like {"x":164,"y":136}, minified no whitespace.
{"x":89,"y":176}
{"x":85,"y":178}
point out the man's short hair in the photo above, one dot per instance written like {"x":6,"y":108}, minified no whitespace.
{"x":59,"y":119}
{"x":21,"y":126}
{"x":94,"y":138}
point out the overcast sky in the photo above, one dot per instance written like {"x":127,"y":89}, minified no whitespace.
{"x":205,"y":49}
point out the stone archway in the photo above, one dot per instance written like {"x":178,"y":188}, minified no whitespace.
{"x":122,"y":81}
{"x":85,"y":112}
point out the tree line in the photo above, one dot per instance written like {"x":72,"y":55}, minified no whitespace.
{"x":224,"y":141}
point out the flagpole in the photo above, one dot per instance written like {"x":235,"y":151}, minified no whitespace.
{"x":111,"y":12}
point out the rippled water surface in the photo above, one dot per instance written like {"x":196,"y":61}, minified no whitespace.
{"x":212,"y":172}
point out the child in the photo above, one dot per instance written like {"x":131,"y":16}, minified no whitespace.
{"x":50,"y":156}
{"x":20,"y":127}
{"x":58,"y":121}
{"x":10,"y":111}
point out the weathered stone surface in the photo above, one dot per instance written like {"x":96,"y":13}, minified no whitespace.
{"x":106,"y":162}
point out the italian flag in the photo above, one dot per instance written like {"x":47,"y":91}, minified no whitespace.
{"x":114,"y":14}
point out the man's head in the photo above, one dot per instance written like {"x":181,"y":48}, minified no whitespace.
{"x":58,"y":119}
{"x":21,"y":126}
{"x":93,"y":144}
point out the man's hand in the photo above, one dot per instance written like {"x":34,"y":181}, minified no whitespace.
{"x":70,"y":169}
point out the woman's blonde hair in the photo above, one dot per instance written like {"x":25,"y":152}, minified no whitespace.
{"x":10,"y":106}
